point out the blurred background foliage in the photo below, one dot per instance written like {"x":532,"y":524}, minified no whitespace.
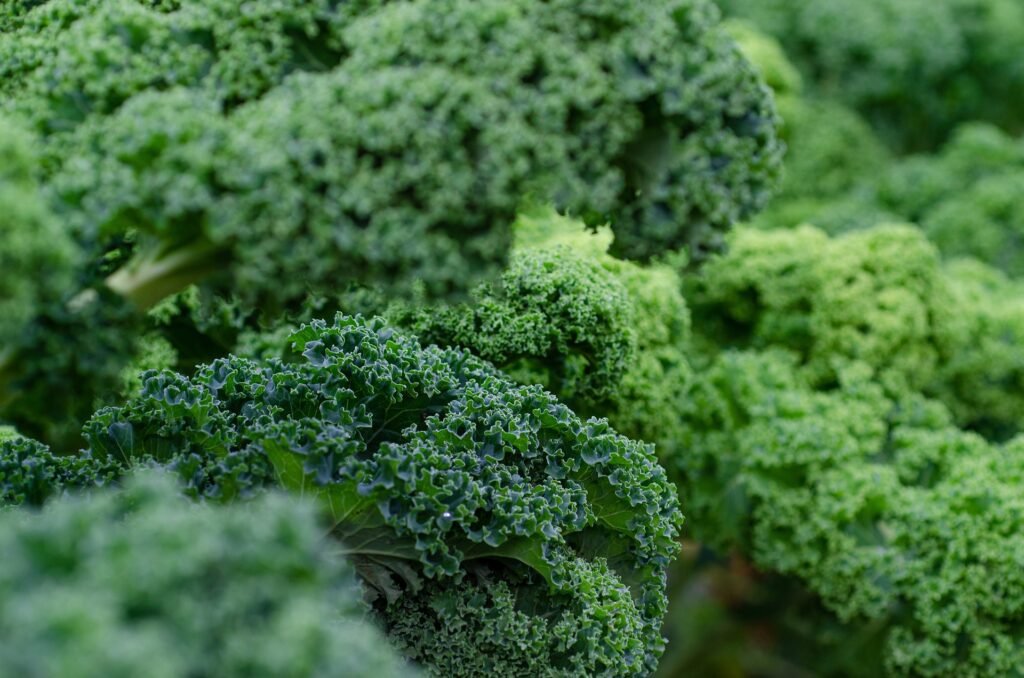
{"x":836,"y":384}
{"x":893,"y":112}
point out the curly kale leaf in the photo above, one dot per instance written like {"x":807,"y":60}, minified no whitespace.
{"x":69,"y":61}
{"x":406,"y":164}
{"x":607,"y":336}
{"x":666,"y":130}
{"x":422,"y":454}
{"x":553,"y":318}
{"x":879,"y":297}
{"x":30,"y":473}
{"x":510,"y":624}
{"x":276,"y":153}
{"x":143,"y":582}
{"x":898,"y":520}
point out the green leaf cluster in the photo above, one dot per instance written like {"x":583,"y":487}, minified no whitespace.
{"x":275,"y":154}
{"x":914,"y":68}
{"x":902,"y":523}
{"x":142,"y":582}
{"x":428,"y":461}
{"x":880,"y":298}
{"x":610,"y":337}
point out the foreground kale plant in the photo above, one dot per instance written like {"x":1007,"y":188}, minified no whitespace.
{"x":500,"y":530}
{"x":143,"y":582}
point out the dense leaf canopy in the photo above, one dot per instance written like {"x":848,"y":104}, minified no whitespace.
{"x":141,"y":582}
{"x":428,"y":462}
{"x":274,"y":154}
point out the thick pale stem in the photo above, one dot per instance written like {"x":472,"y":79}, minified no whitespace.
{"x":143,"y":282}
{"x":147,"y":281}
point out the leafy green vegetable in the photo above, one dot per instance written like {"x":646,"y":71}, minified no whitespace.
{"x":669,"y":160}
{"x":608,"y":336}
{"x":879,"y":297}
{"x":899,"y":521}
{"x":433,"y":457}
{"x":824,"y":439}
{"x":141,"y":582}
{"x":487,"y":625}
{"x":275,"y":155}
{"x":553,"y":318}
{"x":30,"y":473}
{"x":914,"y":68}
